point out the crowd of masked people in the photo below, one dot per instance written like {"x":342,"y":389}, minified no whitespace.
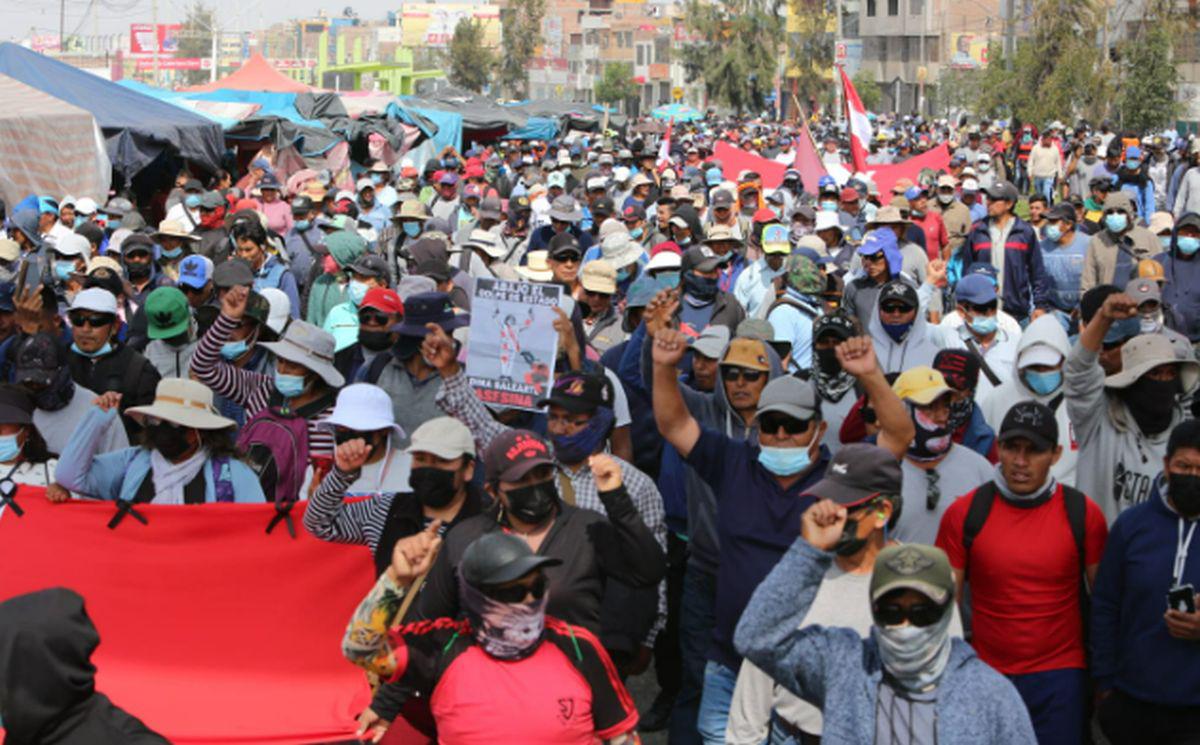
{"x":965,"y":401}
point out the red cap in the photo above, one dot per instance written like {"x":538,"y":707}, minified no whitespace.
{"x":849,"y":195}
{"x":247,"y":204}
{"x":383,"y":299}
{"x":764,"y":214}
{"x":668,"y":246}
{"x":474,"y":170}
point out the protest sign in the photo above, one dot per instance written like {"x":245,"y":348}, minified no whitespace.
{"x":510,"y":360}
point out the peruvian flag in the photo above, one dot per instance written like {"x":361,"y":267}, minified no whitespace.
{"x":664,"y":147}
{"x":860,"y":126}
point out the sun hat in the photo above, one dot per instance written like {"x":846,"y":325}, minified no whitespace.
{"x":362,"y":407}
{"x":536,"y":267}
{"x":443,"y":436}
{"x":307,"y":345}
{"x":620,"y":250}
{"x":174,"y":229}
{"x":167,"y":313}
{"x":486,"y":241}
{"x":599,"y":276}
{"x":1143,"y":353}
{"x":564,"y":209}
{"x":187,"y":403}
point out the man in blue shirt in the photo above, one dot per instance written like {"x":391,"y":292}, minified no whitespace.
{"x":761,"y":489}
{"x":1063,"y":251}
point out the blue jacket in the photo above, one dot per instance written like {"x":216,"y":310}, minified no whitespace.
{"x":1026,"y":285}
{"x":1131,"y":649}
{"x":1182,"y":291}
{"x":274,"y":274}
{"x":118,"y":474}
{"x":838,"y":671}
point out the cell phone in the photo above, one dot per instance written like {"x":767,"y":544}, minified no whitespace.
{"x":1182,"y":598}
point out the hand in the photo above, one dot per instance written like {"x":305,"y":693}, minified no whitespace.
{"x":107,"y":401}
{"x":1183,"y":625}
{"x":935,"y":273}
{"x":660,"y":311}
{"x":857,"y":356}
{"x":821,"y":525}
{"x":351,"y":455}
{"x":29,"y":310}
{"x":233,"y":303}
{"x":568,"y":344}
{"x":606,"y":471}
{"x":56,"y":493}
{"x":1118,"y":307}
{"x":669,"y":347}
{"x":438,"y":350}
{"x":414,"y":555}
{"x":370,"y":727}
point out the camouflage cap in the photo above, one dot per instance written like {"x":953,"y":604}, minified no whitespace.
{"x":801,"y":274}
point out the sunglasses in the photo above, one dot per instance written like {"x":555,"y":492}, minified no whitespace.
{"x":985,"y":308}
{"x":921,"y":615}
{"x":373,"y":318}
{"x":85,"y":319}
{"x":894,"y":308}
{"x":874,"y":258}
{"x":773,"y":422}
{"x":516,"y":593}
{"x":733,"y":374}
{"x":569,"y":257}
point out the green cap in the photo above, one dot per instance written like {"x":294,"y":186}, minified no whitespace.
{"x":801,"y":275}
{"x":913,"y":566}
{"x":166,"y":313}
{"x":345,"y":246}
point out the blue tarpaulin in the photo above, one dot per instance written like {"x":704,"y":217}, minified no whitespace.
{"x":282,"y":105}
{"x":537,"y":128}
{"x":137,"y":128}
{"x":175,"y":99}
{"x":449,"y":124}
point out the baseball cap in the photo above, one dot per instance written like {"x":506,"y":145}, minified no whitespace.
{"x":899,"y":291}
{"x":920,"y":385}
{"x":496,"y":558}
{"x":775,"y":240}
{"x":443,"y":436}
{"x":95,"y":299}
{"x":1038,"y":354}
{"x":383,"y":299}
{"x":859,"y":472}
{"x":791,"y":396}
{"x":1143,"y":290}
{"x":712,"y":341}
{"x":722,"y":198}
{"x":515,"y":453}
{"x":697,"y":259}
{"x":370,"y":265}
{"x":1002,"y":190}
{"x":633,"y":212}
{"x":195,"y":271}
{"x":233,"y":273}
{"x":913,"y":566}
{"x":976,"y":289}
{"x":166,"y":313}
{"x":1062,"y":211}
{"x":1031,"y":420}
{"x":959,"y":367}
{"x":748,"y":353}
{"x":580,"y":393}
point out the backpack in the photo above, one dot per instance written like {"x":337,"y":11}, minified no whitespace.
{"x":275,"y":443}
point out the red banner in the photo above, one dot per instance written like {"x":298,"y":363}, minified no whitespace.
{"x":734,"y":160}
{"x":808,"y":160}
{"x":211,"y":630}
{"x":937,"y":159}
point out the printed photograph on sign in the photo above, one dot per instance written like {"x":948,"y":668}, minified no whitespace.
{"x":510,"y":357}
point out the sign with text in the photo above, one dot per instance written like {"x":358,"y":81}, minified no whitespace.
{"x":143,"y":40}
{"x":510,"y":356}
{"x":176,"y":63}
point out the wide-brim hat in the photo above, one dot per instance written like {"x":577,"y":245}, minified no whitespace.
{"x":1143,"y":353}
{"x":173,"y":229}
{"x":363,"y":407}
{"x":311,"y":347}
{"x":184,"y":402}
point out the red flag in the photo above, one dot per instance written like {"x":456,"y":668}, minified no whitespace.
{"x":664,"y":148}
{"x":936,"y":160}
{"x":808,"y":161}
{"x":734,"y":160}
{"x":859,"y":124}
{"x":211,"y":630}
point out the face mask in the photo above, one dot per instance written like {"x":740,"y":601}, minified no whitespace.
{"x":303,"y":225}
{"x":960,"y":412}
{"x":784,"y":461}
{"x":412,"y":229}
{"x":533,"y":504}
{"x":63,"y":270}
{"x":576,"y":448}
{"x":137,"y":271}
{"x":1089,"y":159}
{"x":231,"y":350}
{"x":1165,"y":242}
{"x":667,"y":280}
{"x":376,"y":179}
{"x":79,"y":221}
{"x":289,"y":385}
{"x":984,"y":167}
{"x":1188,"y":245}
{"x":684,"y":241}
{"x":1026,"y":138}
{"x":9,"y":448}
{"x":1116,"y":222}
{"x":1043,"y":383}
{"x":897,"y":331}
{"x":622,"y":275}
{"x":636,"y":233}
{"x":931,"y":441}
{"x":945,"y":198}
{"x":827,"y":361}
{"x":1151,"y":403}
{"x":192,"y":201}
{"x":375,"y":341}
{"x":828,"y":206}
{"x":506,"y":631}
{"x":173,"y":253}
{"x":848,"y":543}
{"x":1052,"y":233}
{"x":93,"y":355}
{"x":169,"y":440}
{"x":1150,"y":324}
{"x":114,"y":225}
{"x":701,"y":288}
{"x":434,"y":487}
{"x":983,"y":324}
{"x":915,"y":656}
{"x":1133,"y":165}
{"x":356,"y":291}
{"x":1184,"y":491}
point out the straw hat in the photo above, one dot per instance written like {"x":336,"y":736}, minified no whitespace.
{"x":187,"y":403}
{"x":536,"y":268}
{"x":174,"y":229}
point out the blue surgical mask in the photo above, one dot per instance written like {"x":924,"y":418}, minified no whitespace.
{"x":356,"y":291}
{"x":289,"y":385}
{"x":377,"y":178}
{"x":1187,"y":244}
{"x":1051,"y":232}
{"x":829,"y":206}
{"x":784,"y":461}
{"x":1165,"y":242}
{"x":622,"y":275}
{"x":192,"y":201}
{"x":98,"y":353}
{"x":114,"y":224}
{"x":1116,"y":222}
{"x":1043,"y":383}
{"x":1133,"y":165}
{"x":231,"y":350}
{"x":412,"y":229}
{"x":303,"y":225}
{"x":63,"y":270}
{"x":636,"y":233}
{"x":667,"y":280}
{"x":80,"y":220}
{"x":983,"y":324}
{"x":9,"y":448}
{"x":173,"y":253}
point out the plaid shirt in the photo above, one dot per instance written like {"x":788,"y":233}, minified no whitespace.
{"x":459,"y":401}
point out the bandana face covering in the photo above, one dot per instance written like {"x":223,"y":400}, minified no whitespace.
{"x":915,"y":656}
{"x":575,"y":448}
{"x":931,"y":441}
{"x":506,"y":631}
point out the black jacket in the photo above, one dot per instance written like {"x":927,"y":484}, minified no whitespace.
{"x":405,"y":518}
{"x":48,"y":688}
{"x":124,"y":370}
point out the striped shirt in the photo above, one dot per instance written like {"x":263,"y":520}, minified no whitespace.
{"x":329,"y":517}
{"x":250,"y":390}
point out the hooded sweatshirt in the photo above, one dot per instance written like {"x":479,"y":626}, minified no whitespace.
{"x":1182,"y":291}
{"x":918,"y":347}
{"x":1044,"y":332}
{"x":48,"y":693}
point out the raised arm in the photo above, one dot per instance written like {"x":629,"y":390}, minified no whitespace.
{"x":328,"y":516}
{"x":80,"y":468}
{"x":230,"y":381}
{"x":896,"y":430}
{"x":671,"y":414}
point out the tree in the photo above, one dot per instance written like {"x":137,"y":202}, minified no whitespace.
{"x":868,"y":89}
{"x":195,"y":40}
{"x":1149,"y":77}
{"x":738,"y":51}
{"x":521,"y":24}
{"x":470,"y":62}
{"x":616,"y":84}
{"x":810,"y":52}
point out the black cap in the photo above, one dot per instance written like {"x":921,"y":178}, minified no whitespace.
{"x":37,"y":360}
{"x":16,"y":406}
{"x":722,"y":198}
{"x":857,"y":473}
{"x":514,"y":453}
{"x":959,"y":367}
{"x":603,"y":206}
{"x":898,"y":290}
{"x":842,"y":325}
{"x":137,"y":242}
{"x":580,"y":393}
{"x":1033,"y":421}
{"x":370,"y":265}
{"x":233,"y":273}
{"x":562,"y":243}
{"x":697,"y":259}
{"x":302,"y":205}
{"x":438,"y":271}
{"x":497,"y":557}
{"x":1061,"y":211}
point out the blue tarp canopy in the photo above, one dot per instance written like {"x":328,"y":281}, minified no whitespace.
{"x":449,"y":125}
{"x":537,"y":128}
{"x":175,"y":99}
{"x":137,"y":128}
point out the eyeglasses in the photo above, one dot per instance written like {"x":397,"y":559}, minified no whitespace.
{"x":772,"y":422}
{"x":373,"y":318}
{"x":516,"y":593}
{"x":732,"y":374}
{"x":893,"y":309}
{"x":921,"y":614}
{"x":567,"y":257}
{"x":86,"y":319}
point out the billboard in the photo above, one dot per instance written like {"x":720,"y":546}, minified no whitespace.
{"x":969,"y":51}
{"x":432,"y":24}
{"x":143,"y":41}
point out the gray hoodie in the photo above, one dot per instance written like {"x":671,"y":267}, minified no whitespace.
{"x":918,"y":347}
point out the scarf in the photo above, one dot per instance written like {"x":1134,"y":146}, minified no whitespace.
{"x":506,"y":631}
{"x":170,"y":478}
{"x":832,"y":387}
{"x":914,"y":656}
{"x":1042,"y":492}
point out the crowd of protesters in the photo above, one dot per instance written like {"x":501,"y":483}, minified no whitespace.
{"x":967,"y":401}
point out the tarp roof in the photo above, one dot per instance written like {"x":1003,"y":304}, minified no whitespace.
{"x":477,"y":112}
{"x":137,"y":128}
{"x":255,"y":74}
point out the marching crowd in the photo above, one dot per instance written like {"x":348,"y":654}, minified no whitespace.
{"x":967,"y":401}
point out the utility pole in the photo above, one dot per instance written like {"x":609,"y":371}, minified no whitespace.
{"x":62,"y":26}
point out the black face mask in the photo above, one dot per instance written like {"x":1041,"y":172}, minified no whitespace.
{"x":375,"y":341}
{"x":178,"y":340}
{"x":827,"y":361}
{"x":434,"y":487}
{"x":169,"y":440}
{"x":1184,"y":490}
{"x":137,"y":271}
{"x":533,"y":504}
{"x":701,"y":288}
{"x":407,"y":347}
{"x":58,"y":394}
{"x":848,"y":544}
{"x":960,"y":412}
{"x":1151,"y":403}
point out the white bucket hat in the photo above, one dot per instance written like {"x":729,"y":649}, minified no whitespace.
{"x":363,"y":407}
{"x":307,"y":345}
{"x":620,"y":250}
{"x":187,"y":403}
{"x":1143,"y":353}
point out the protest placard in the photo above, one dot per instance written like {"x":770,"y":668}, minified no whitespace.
{"x":510,"y":359}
